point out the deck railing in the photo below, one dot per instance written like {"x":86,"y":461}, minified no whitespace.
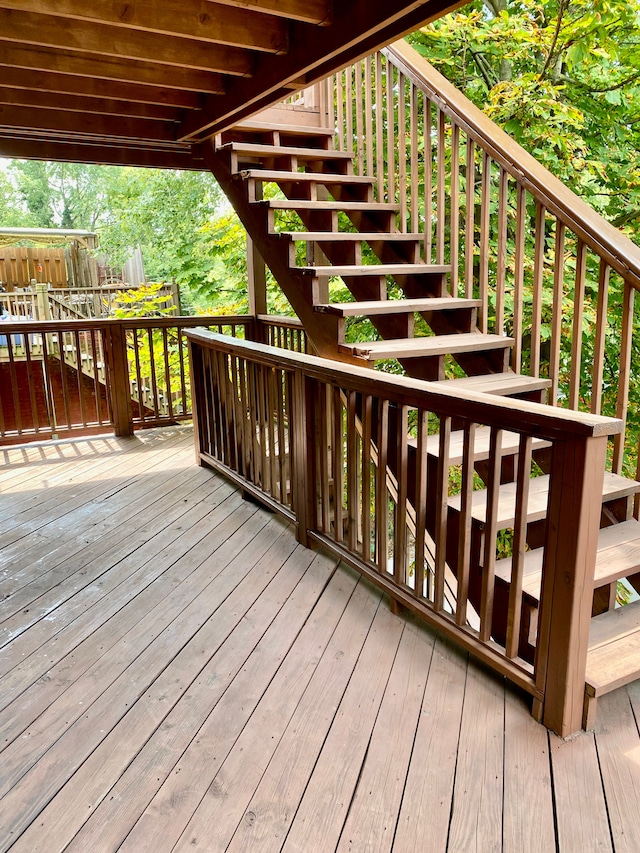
{"x":40,"y":302}
{"x":549,"y":271}
{"x":317,"y":441}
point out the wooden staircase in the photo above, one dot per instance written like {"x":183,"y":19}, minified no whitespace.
{"x":318,"y":190}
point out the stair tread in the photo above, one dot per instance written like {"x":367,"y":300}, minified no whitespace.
{"x":297,"y":177}
{"x":395,"y":306}
{"x":297,"y":129}
{"x":614,"y":487}
{"x":347,"y":236}
{"x":430,"y":346}
{"x":258,"y":148}
{"x":613,"y":658}
{"x":305,"y":204}
{"x":618,"y":557}
{"x":498,"y":383}
{"x":376,"y":269}
{"x":510,"y":445}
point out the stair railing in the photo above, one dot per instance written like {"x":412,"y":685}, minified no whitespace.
{"x":298,"y":433}
{"x":549,"y":271}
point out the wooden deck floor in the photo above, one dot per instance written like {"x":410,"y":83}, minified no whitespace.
{"x":177,"y":674}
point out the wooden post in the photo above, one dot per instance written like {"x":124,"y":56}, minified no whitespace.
{"x":118,"y":384}
{"x":42,"y":301}
{"x":197,"y":395}
{"x":302,"y":456}
{"x":575,"y":503}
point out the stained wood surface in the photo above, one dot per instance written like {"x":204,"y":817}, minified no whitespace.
{"x":176,"y":673}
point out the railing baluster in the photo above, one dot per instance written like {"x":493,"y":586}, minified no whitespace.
{"x":353,"y":496}
{"x":538,"y":280}
{"x":518,"y":278}
{"x":514,"y":616}
{"x":382,"y":499}
{"x":483,"y":259}
{"x":367,"y":406}
{"x":400,"y":520}
{"x":490,"y":533}
{"x":501,"y":260}
{"x":421,"y":507}
{"x":601,"y":332}
{"x":464,"y":536}
{"x":442,"y":505}
{"x":470,"y":211}
{"x":440,"y":186}
{"x":624,"y":375}
{"x":402,"y":152}
{"x":556,"y":320}
{"x":578,"y":314}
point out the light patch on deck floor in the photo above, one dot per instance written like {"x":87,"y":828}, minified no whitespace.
{"x":177,"y":674}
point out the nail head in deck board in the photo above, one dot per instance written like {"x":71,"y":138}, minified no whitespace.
{"x":476,"y":818}
{"x":581,"y":812}
{"x":528,"y":798}
{"x":372,"y":817}
{"x":426,"y":805}
{"x":618,"y":746}
{"x":288,"y":708}
{"x":183,"y":789}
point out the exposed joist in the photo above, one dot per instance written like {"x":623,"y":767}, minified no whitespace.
{"x":358,"y":29}
{"x":312,"y":11}
{"x":61,"y":84}
{"x":74,"y":123}
{"x":102,"y":40}
{"x":87,"y":106}
{"x":193,"y":18}
{"x":103,"y":68}
{"x":77,"y":152}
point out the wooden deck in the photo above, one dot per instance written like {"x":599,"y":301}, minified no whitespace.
{"x":177,"y":674}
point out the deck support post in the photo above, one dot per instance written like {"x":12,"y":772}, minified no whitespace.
{"x":116,"y":348}
{"x":575,"y":503}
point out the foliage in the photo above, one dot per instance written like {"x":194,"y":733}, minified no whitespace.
{"x":143,"y":301}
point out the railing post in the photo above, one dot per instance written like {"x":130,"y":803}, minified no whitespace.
{"x":42,"y":301}
{"x":301,"y":469}
{"x":118,"y":387}
{"x":573,"y":522}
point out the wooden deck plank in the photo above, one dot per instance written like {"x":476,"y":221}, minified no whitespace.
{"x":581,"y":811}
{"x":374,"y":810}
{"x":527,"y":780}
{"x":618,"y":746}
{"x":425,"y":813}
{"x":476,"y":819}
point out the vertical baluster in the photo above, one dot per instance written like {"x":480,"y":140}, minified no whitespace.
{"x":624,"y":374}
{"x":380,"y":124}
{"x":382,"y":500}
{"x":518,"y":278}
{"x":325,"y":449}
{"x":421,"y":506}
{"x":428,"y":179}
{"x":227,"y":405}
{"x":490,"y":533}
{"x":413,"y":119}
{"x":77,"y":343}
{"x":338,"y":466}
{"x":501,"y":271}
{"x":485,"y":223}
{"x":464,"y":535}
{"x":368,"y":113}
{"x":97,"y":358}
{"x":282,"y":409}
{"x":556,"y":318}
{"x":351,"y":144}
{"x":400,"y":521}
{"x":391,"y":142}
{"x":236,"y":415}
{"x":578,"y":314}
{"x":440,"y":187}
{"x":14,"y":385}
{"x":601,"y":332}
{"x":152,"y":374}
{"x":340,"y":111}
{"x":514,"y":616}
{"x":442,"y":511}
{"x":272,"y":414}
{"x":353,"y":497}
{"x":366,"y":477}
{"x":35,"y":418}
{"x":245,"y":466}
{"x":167,"y":374}
{"x":253,"y":378}
{"x":538,"y":280}
{"x":454,"y":227}
{"x":402,"y":151}
{"x":63,"y":378}
{"x":361,"y":141}
{"x":470,"y":218}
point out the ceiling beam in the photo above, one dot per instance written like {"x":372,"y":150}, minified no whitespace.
{"x":26,"y":118}
{"x":190,"y":18}
{"x":102,"y":40}
{"x":78,"y":152}
{"x":87,"y":106}
{"x":103,"y":68}
{"x":358,"y":29}
{"x":62,"y":84}
{"x":312,"y":11}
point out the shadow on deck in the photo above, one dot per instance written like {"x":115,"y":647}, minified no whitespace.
{"x":177,"y":673}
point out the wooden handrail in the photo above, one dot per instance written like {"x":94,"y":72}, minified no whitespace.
{"x":621,"y":253}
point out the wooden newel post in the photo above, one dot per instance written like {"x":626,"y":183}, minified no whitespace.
{"x":575,"y":505}
{"x":116,"y":348}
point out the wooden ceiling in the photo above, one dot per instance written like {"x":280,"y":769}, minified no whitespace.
{"x":144,"y":82}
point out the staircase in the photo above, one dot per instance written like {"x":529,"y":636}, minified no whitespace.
{"x":322,"y":221}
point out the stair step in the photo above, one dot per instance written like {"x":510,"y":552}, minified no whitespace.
{"x":351,"y":236}
{"x":618,"y":557}
{"x":281,"y":176}
{"x":432,"y":346}
{"x":377,"y":270}
{"x":613,"y":659}
{"x":395,"y":306}
{"x":294,"y":129}
{"x":510,"y":445}
{"x":304,"y":204}
{"x":257,"y":149}
{"x":505,"y":384}
{"x":614,"y":487}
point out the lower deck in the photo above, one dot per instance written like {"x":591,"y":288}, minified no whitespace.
{"x":176,"y":673}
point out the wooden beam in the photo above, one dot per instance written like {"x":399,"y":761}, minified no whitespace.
{"x":192,"y":18}
{"x":67,"y":84}
{"x":73,"y":123}
{"x":312,"y":11}
{"x":359,"y":28}
{"x":102,"y":40}
{"x":103,"y":68}
{"x":81,"y":104}
{"x":81,"y":152}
